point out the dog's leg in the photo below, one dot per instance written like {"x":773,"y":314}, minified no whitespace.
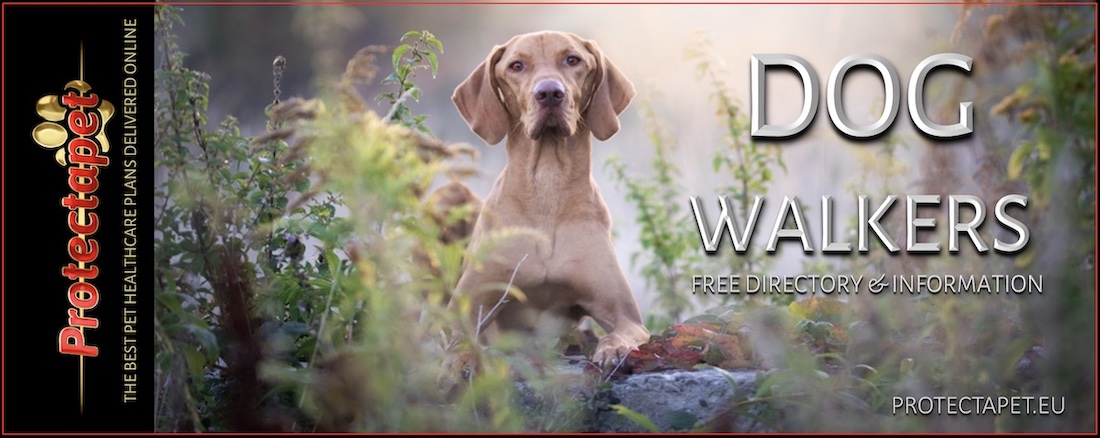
{"x":605,"y":295}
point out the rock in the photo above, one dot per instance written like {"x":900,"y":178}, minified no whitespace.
{"x":678,"y":400}
{"x":672,"y":400}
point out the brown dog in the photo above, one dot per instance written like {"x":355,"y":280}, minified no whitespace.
{"x":548,"y":92}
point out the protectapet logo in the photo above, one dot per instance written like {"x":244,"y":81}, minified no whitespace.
{"x":73,"y":125}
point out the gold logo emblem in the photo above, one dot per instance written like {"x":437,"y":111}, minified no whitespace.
{"x":84,"y":115}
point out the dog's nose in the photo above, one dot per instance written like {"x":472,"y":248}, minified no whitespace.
{"x":549,"y":93}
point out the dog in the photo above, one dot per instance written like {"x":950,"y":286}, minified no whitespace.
{"x":548,"y":93}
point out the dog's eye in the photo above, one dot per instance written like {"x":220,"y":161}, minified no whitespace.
{"x":572,"y":60}
{"x":516,"y":66}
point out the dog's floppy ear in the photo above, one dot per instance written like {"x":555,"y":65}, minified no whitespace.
{"x":477,"y":100}
{"x":611,"y":94}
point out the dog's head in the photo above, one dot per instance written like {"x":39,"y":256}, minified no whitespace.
{"x":545,"y":84}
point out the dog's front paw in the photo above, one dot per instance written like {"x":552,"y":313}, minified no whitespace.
{"x":611,"y":350}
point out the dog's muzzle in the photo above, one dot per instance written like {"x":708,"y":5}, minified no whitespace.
{"x":552,"y":113}
{"x":549,"y":93}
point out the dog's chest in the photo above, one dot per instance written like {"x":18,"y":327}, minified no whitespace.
{"x":548,"y":210}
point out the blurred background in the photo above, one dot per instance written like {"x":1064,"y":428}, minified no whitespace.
{"x":236,"y":44}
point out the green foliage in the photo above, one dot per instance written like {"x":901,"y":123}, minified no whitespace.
{"x":1056,"y":108}
{"x":422,"y":51}
{"x":669,"y":252}
{"x":289,"y":296}
{"x":834,"y":364}
{"x":752,"y":165}
{"x":233,"y":268}
{"x":640,"y":419}
{"x":1051,"y":152}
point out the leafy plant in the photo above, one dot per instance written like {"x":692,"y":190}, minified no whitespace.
{"x":272,"y":313}
{"x":752,"y":165}
{"x":422,"y":51}
{"x":1046,"y":148}
{"x":669,"y":253}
